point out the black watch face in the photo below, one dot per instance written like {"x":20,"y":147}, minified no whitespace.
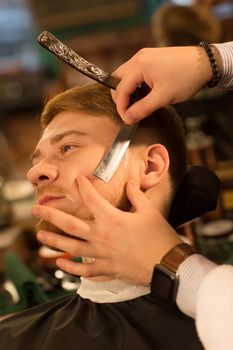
{"x":164,"y":284}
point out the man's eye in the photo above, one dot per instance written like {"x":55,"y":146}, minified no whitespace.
{"x":67,"y":148}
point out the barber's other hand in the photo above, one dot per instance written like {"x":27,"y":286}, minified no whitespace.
{"x":174,"y":74}
{"x":125,"y":245}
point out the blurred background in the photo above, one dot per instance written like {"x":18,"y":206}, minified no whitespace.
{"x":107,"y":33}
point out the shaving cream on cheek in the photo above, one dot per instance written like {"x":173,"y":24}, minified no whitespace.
{"x":70,"y":198}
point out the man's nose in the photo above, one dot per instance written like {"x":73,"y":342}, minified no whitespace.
{"x":42,"y":173}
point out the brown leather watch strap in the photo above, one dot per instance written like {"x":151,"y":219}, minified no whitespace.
{"x":176,"y":255}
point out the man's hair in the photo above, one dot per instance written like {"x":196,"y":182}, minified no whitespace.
{"x":163,"y":126}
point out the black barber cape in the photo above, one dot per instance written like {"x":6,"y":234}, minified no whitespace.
{"x":74,"y":323}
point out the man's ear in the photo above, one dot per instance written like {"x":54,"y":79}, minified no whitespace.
{"x":156,"y":165}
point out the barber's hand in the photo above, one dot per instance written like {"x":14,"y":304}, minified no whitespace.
{"x":174,"y":74}
{"x":125,"y":245}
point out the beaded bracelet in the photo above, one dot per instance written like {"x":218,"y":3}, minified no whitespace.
{"x":216,"y":75}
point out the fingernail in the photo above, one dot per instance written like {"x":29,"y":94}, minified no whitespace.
{"x":130,"y":118}
{"x":41,"y":236}
{"x":60,"y":263}
{"x":35,"y":211}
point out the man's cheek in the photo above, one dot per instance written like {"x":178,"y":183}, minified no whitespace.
{"x":101,"y":187}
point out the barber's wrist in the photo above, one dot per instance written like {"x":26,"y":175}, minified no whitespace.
{"x":165,"y":278}
{"x":149,"y":265}
{"x":218,"y":58}
{"x":205,"y":71}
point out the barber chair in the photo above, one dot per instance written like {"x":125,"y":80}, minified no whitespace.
{"x":197,"y":195}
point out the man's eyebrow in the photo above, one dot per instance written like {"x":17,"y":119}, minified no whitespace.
{"x":57,"y":138}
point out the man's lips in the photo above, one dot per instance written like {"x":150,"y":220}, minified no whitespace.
{"x":45,"y":200}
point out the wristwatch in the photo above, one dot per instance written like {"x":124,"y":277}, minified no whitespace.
{"x":165,"y":279}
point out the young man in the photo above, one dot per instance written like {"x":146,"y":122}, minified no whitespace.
{"x":79,"y":127}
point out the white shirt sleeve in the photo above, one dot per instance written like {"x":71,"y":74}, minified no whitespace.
{"x":225,"y":51}
{"x":191,"y":273}
{"x":206,"y":294}
{"x":214,"y":309}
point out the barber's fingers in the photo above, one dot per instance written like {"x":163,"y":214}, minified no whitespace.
{"x":144,"y":107}
{"x":72,"y":267}
{"x":59,"y":242}
{"x":121,"y":71}
{"x":67,"y":223}
{"x":74,"y":247}
{"x":94,"y":269}
{"x":125,"y":88}
{"x":136,"y":197}
{"x":92,"y":199}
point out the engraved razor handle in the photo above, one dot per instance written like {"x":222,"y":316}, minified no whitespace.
{"x":54,"y":45}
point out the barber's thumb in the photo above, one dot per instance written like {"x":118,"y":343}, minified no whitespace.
{"x":113,"y":93}
{"x":136,"y":197}
{"x":141,"y":109}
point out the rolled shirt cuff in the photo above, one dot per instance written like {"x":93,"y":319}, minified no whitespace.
{"x":191,"y":272}
{"x":225,"y":51}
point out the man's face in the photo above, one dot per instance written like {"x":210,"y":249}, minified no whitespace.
{"x":73,"y":144}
